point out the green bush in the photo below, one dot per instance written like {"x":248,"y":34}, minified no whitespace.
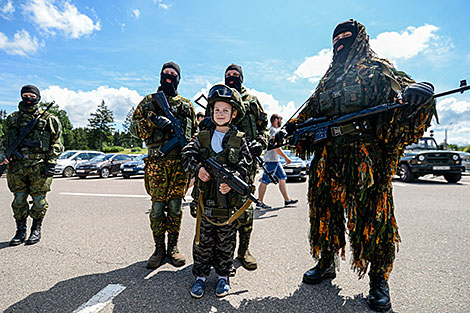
{"x":467,"y":148}
{"x":136,"y":149}
{"x":112,"y":149}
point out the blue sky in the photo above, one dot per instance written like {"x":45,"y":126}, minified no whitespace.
{"x":80,"y":52}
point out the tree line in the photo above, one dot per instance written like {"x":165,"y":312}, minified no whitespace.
{"x":100,"y":133}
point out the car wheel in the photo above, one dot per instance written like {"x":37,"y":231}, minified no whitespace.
{"x":453,"y":178}
{"x":104,"y":173}
{"x":405,"y":174}
{"x":68,"y":171}
{"x":82,"y":176}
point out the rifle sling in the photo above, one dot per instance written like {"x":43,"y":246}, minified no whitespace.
{"x":231,"y":219}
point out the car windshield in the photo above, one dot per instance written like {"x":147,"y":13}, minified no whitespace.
{"x":140,"y":157}
{"x":66,"y":155}
{"x":424,"y":144}
{"x":102,"y":158}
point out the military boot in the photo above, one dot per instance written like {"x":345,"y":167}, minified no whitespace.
{"x":176,"y":257}
{"x":20,"y":235}
{"x":35,"y":235}
{"x":379,"y":294}
{"x":156,"y":258}
{"x":323,"y":270}
{"x":244,"y":255}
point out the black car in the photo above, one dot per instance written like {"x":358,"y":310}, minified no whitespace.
{"x":297,"y":169}
{"x":135,"y":167}
{"x":425,"y":157}
{"x":103,"y":165}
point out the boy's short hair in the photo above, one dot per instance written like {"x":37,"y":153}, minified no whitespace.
{"x":275,"y":116}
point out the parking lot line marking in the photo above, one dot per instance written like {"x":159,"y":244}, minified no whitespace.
{"x":101,"y":299}
{"x":103,"y":195}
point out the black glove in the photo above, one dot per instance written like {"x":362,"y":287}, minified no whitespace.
{"x":290,"y":128}
{"x":49,"y":170}
{"x":161,"y":122}
{"x":206,"y":124}
{"x":278,"y":139}
{"x":418,"y":94}
{"x":256,"y":148}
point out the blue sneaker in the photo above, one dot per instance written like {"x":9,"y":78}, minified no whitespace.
{"x":223,"y":287}
{"x":197,"y":290}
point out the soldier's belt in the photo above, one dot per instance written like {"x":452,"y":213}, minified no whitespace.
{"x":218,"y":212}
{"x":354,"y":127}
{"x":155,"y":152}
{"x":34,"y":156}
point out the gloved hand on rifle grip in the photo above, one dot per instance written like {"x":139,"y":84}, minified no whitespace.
{"x":256,"y":148}
{"x":280,"y":136}
{"x":290,"y":128}
{"x":418,"y":94}
{"x":161,"y":122}
{"x":49,"y":170}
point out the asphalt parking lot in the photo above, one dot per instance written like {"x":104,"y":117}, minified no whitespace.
{"x":96,"y":240}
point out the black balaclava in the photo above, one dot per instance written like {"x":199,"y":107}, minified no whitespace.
{"x":233,"y":81}
{"x":170,"y":88}
{"x":29,"y":104}
{"x":348,"y":26}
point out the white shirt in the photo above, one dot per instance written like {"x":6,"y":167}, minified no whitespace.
{"x":271,"y":155}
{"x":216,"y":141}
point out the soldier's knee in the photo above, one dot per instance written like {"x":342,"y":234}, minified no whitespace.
{"x":175,"y":207}
{"x":39,"y":202}
{"x":20,"y":200}
{"x":157,"y":210}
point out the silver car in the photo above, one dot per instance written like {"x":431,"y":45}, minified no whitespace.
{"x":69,"y":160}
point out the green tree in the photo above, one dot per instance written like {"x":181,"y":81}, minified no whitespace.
{"x":78,"y":139}
{"x":3,"y":117}
{"x":100,"y":126}
{"x":128,"y":140}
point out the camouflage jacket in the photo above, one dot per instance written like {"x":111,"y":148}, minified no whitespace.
{"x":255,"y":122}
{"x":46,"y":136}
{"x":154,"y":137}
{"x":235,"y":157}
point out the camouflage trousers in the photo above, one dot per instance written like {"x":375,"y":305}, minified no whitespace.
{"x":166,"y":182}
{"x":28,"y":180}
{"x":245,"y":222}
{"x":216,"y":248}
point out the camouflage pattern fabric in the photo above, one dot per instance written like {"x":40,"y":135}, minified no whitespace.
{"x":350,"y":175}
{"x":165,"y":179}
{"x":216,"y":248}
{"x":26,"y":177}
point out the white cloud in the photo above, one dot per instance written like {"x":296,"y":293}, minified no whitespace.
{"x":79,"y":104}
{"x":136,"y":13}
{"x":406,"y":44}
{"x":313,"y":67}
{"x":7,"y":10}
{"x":49,"y":17}
{"x":162,"y":5}
{"x":21,"y":44}
{"x":454,"y":116}
{"x":392,"y":45}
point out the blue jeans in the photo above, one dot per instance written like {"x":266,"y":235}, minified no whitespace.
{"x":276,"y":170}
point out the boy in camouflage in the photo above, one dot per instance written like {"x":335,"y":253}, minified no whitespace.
{"x":217,"y":237}
{"x":165,"y":178}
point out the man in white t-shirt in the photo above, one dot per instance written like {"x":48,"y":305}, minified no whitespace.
{"x":273,"y":165}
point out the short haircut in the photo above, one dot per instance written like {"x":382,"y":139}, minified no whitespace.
{"x":275,"y":116}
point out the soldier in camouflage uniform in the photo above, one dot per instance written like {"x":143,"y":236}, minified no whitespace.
{"x":165,"y":178}
{"x":350,"y":175}
{"x":229,"y":147}
{"x":255,"y":126}
{"x":32,"y":175}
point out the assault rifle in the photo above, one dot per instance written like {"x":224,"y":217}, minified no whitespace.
{"x":179,"y":138}
{"x":21,"y":140}
{"x":221,"y":175}
{"x":319,"y":129}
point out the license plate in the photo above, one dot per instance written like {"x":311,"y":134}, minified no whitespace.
{"x":80,"y":171}
{"x":288,"y":171}
{"x":441,"y":168}
{"x":128,"y":170}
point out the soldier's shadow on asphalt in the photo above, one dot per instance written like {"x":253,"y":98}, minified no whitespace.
{"x":168,"y":291}
{"x":4,"y":245}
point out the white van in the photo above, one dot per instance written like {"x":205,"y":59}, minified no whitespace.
{"x":68,"y":161}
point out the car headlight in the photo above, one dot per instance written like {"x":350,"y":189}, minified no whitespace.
{"x":421,"y":158}
{"x":455,"y":157}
